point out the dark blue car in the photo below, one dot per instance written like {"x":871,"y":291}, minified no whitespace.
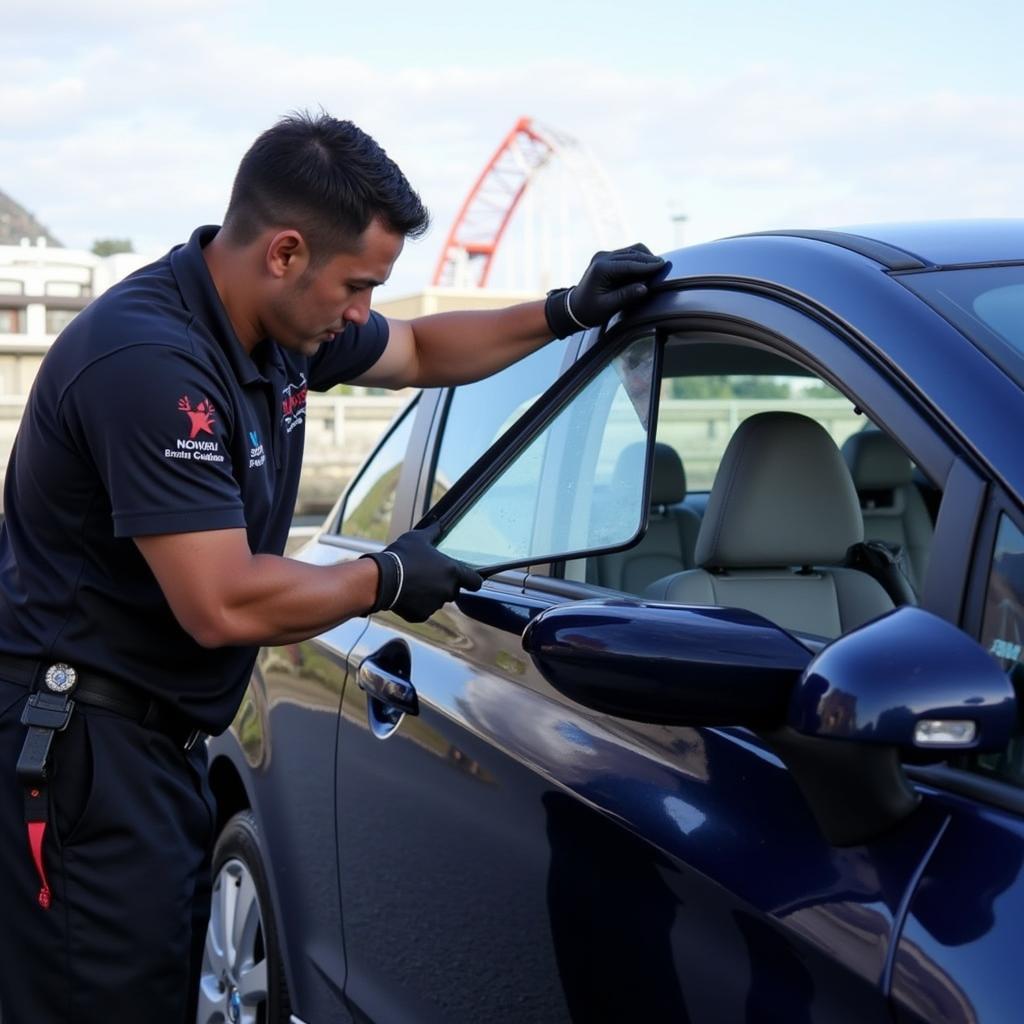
{"x":730,"y":733}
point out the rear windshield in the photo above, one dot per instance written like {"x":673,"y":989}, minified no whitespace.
{"x":986,"y":303}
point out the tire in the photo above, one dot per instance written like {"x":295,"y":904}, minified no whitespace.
{"x":242,"y":979}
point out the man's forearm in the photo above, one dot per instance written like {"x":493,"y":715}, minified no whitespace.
{"x":287,"y":601}
{"x":459,"y":347}
{"x":223,"y":595}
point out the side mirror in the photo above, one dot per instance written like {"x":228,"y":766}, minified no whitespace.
{"x":910,"y":680}
{"x":907,"y":685}
{"x":669,"y":664}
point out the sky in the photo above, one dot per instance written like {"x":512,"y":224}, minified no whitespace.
{"x":127,"y":119}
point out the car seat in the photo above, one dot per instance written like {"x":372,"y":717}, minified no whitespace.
{"x":782,"y":514}
{"x":891,"y":505}
{"x":671,"y":538}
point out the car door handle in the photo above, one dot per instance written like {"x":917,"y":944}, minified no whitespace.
{"x":388,"y":687}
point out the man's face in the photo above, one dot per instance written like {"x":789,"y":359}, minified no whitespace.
{"x":310,"y":310}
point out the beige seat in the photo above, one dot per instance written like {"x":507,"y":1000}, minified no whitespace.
{"x":782,"y":513}
{"x":670,"y":541}
{"x":892,"y":507}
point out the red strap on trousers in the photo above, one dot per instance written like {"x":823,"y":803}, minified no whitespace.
{"x":35,"y":818}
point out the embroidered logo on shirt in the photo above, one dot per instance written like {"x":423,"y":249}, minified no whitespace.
{"x":293,"y":404}
{"x":200,"y":421}
{"x":200,"y":418}
{"x":257,"y":456}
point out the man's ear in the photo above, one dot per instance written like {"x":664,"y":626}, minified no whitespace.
{"x":287,"y":254}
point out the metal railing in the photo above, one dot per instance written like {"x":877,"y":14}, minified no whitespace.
{"x":341,"y":430}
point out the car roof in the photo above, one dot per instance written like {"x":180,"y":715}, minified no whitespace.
{"x":926,"y":244}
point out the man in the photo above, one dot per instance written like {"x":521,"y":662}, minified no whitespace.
{"x":148,"y":501}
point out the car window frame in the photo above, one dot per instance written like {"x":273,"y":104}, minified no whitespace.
{"x":814,"y":338}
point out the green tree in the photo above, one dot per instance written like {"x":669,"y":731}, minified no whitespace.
{"x":760,"y":387}
{"x":701,"y":387}
{"x":820,"y":391}
{"x":721,"y":386}
{"x":109,"y":246}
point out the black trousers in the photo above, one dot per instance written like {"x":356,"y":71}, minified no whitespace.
{"x":127,"y":854}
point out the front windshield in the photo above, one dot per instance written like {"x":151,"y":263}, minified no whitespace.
{"x":986,"y":303}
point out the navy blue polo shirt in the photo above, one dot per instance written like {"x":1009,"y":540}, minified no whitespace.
{"x":148,"y":417}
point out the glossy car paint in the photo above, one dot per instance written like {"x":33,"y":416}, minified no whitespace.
{"x":958,"y":951}
{"x":626,"y":658}
{"x":507,"y":854}
{"x":511,"y":857}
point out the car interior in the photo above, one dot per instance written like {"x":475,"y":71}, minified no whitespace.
{"x":790,"y":478}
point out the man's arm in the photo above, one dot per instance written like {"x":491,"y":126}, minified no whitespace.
{"x":456,"y":348}
{"x":225,"y":596}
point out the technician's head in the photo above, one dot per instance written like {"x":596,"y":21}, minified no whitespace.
{"x":322,"y":212}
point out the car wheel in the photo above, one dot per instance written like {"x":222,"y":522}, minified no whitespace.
{"x":242,"y":979}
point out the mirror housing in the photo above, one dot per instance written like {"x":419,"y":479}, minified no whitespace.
{"x":663,"y":663}
{"x":905,"y":686}
{"x":909,"y":680}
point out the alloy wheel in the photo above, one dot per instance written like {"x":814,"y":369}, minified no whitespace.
{"x":233,"y":982}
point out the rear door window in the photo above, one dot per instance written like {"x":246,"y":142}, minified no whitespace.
{"x":370,"y":501}
{"x":1002,"y":634}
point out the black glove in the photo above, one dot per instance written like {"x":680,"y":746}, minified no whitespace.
{"x":612,"y":280}
{"x":416,"y":579}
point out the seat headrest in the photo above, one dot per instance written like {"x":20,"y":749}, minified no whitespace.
{"x":876,"y":461}
{"x":668,"y":478}
{"x":782,"y":496}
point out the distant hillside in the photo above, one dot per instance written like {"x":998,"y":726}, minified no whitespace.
{"x":17,"y":223}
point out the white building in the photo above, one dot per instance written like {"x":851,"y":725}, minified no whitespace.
{"x":42,"y":288}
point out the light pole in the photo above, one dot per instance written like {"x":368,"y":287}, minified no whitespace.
{"x":678,"y":221}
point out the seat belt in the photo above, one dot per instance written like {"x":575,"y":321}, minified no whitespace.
{"x":886,"y":565}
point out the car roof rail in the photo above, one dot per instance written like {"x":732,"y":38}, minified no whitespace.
{"x":890,"y":256}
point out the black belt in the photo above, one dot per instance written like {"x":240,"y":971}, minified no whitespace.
{"x":103,"y":692}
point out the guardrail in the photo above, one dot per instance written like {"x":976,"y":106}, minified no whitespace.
{"x":341,"y":430}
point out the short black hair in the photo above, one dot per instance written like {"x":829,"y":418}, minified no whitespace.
{"x":327,"y":179}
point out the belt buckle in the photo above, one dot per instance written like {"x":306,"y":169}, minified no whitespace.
{"x":192,"y":739}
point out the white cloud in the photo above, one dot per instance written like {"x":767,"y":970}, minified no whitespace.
{"x":142,"y":138}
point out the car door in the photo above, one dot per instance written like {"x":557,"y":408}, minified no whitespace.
{"x":957,"y":954}
{"x":507,"y":854}
{"x":384,"y":919}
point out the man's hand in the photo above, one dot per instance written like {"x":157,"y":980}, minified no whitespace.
{"x":612,"y":280}
{"x":416,"y":579}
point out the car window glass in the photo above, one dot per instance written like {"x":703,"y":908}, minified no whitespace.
{"x":1002,"y":635}
{"x":370,"y":501}
{"x":986,"y":303}
{"x":699,"y":414}
{"x":578,"y":485}
{"x":480,"y":412}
